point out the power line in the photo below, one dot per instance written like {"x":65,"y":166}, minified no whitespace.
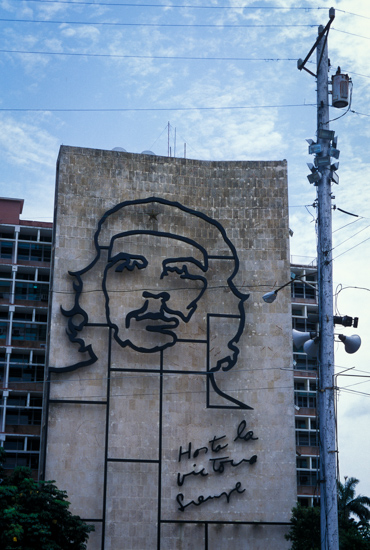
{"x":347,"y":224}
{"x":151,"y":56}
{"x":357,"y":113}
{"x":351,"y":237}
{"x":190,"y":6}
{"x":145,"y":109}
{"x":181,"y":57}
{"x":351,"y":33}
{"x":355,"y":246}
{"x":356,"y":392}
{"x":187,"y":6}
{"x":187,"y":25}
{"x":349,"y":13}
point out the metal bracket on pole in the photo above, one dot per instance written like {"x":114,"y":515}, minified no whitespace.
{"x":301,"y":64}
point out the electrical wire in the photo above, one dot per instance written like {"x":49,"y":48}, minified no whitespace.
{"x":187,"y":6}
{"x":156,"y":109}
{"x":124,"y":56}
{"x":351,"y":237}
{"x":355,"y":246}
{"x":128,"y":290}
{"x":356,"y":384}
{"x":190,"y":6}
{"x":351,"y":13}
{"x":350,"y":223}
{"x":163,"y":25}
{"x":357,"y":113}
{"x":351,"y":33}
{"x":356,"y":392}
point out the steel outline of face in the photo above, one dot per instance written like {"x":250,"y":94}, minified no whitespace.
{"x":75,"y":328}
{"x":163,"y":312}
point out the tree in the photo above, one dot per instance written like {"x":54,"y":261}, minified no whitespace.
{"x":349,"y":505}
{"x":36,"y":516}
{"x":353,"y":534}
{"x":305,"y":530}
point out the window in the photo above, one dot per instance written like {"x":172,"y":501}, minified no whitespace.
{"x":303,"y":362}
{"x":27,"y":237}
{"x":303,"y":462}
{"x":26,"y":373}
{"x":14,"y":444}
{"x":6,"y":250}
{"x":315,"y":463}
{"x":3,"y":330}
{"x":28,"y":332}
{"x":301,"y":423}
{"x":306,"y":478}
{"x":34,"y":252}
{"x":22,"y":417}
{"x":307,"y":439}
{"x":31,"y":291}
{"x":300,"y":290}
{"x":303,"y":501}
{"x":12,"y":460}
{"x":305,"y":400}
{"x":5,"y":290}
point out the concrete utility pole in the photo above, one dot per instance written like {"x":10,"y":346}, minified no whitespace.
{"x":328,"y":449}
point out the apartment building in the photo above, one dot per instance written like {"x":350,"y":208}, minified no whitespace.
{"x":304,"y":310}
{"x":25,"y":251}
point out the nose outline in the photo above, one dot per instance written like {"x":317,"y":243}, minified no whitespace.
{"x":164,"y":296}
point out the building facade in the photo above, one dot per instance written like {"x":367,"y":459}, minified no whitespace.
{"x":25,"y":252}
{"x":304,"y":318}
{"x":170,"y":420}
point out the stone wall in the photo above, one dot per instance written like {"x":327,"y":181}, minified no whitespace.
{"x":171,"y":420}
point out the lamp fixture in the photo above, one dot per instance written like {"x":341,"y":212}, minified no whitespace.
{"x":314,"y":178}
{"x":346,"y":321}
{"x":270,"y":297}
{"x":322,"y":161}
{"x":313,"y":147}
{"x":334,"y":177}
{"x":326,"y":134}
{"x":333,"y":152}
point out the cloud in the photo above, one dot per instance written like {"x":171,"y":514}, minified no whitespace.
{"x":81,"y":32}
{"x":25,"y":144}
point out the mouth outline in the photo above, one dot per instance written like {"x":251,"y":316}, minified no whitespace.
{"x":143,"y":314}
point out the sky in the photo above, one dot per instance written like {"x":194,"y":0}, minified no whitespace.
{"x":219,"y":80}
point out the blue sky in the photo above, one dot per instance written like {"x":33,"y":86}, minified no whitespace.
{"x":252,"y":104}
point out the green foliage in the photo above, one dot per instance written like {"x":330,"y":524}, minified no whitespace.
{"x":349,"y":505}
{"x":35,"y":515}
{"x":354,"y":534}
{"x":305,"y":530}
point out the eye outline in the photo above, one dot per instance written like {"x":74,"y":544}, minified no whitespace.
{"x":184,"y":274}
{"x":183,"y":270}
{"x":128,"y":262}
